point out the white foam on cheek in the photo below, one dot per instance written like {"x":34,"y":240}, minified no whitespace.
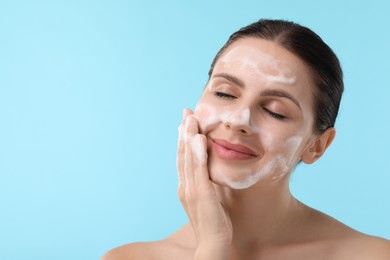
{"x":281,"y":164}
{"x":209,"y":117}
{"x":268,"y":139}
{"x":293,"y":142}
{"x":291,"y":146}
{"x":251,"y":60}
{"x":256,"y":176}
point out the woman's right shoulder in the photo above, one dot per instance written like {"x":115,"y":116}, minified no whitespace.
{"x":161,"y":250}
{"x":179,"y":245}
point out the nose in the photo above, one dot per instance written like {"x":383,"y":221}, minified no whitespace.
{"x":240,"y":128}
{"x":239,"y":121}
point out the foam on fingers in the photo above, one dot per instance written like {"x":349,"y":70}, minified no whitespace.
{"x":198,"y":148}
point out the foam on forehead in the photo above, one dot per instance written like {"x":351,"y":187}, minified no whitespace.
{"x":253,"y":61}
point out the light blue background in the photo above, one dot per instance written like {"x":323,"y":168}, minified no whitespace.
{"x":91,"y":94}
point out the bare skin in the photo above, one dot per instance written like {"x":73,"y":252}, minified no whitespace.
{"x":260,"y":219}
{"x":339,"y":244}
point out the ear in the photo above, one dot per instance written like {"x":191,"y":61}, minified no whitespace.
{"x":319,"y":146}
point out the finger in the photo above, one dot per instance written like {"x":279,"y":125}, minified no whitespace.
{"x":186,"y":112}
{"x":199,"y":147}
{"x":180,"y":142}
{"x":180,"y":158}
{"x":180,"y":149}
{"x":190,"y":131}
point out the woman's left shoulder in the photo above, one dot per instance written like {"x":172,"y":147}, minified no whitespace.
{"x":364,"y":246}
{"x":344,"y":242}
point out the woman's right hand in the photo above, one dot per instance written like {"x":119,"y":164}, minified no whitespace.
{"x":209,"y":220}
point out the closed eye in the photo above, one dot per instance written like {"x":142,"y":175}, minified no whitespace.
{"x":274,"y":115}
{"x":224,"y":95}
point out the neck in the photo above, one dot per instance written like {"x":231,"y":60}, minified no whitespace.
{"x":262,"y":215}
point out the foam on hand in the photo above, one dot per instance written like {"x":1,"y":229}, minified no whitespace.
{"x":198,"y":148}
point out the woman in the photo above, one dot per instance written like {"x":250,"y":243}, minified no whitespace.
{"x":270,"y":103}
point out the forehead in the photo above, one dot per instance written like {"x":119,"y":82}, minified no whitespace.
{"x":263,"y":60}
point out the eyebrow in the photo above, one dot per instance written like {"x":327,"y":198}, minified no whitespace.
{"x":264,"y":93}
{"x":230,"y":78}
{"x":279,"y":93}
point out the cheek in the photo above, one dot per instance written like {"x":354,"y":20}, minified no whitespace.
{"x":276,"y":145}
{"x":293,"y":148}
{"x":207,"y":117}
{"x":281,"y":157}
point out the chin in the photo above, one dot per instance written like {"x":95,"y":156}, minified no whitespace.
{"x":243,"y":176}
{"x":238,"y":179}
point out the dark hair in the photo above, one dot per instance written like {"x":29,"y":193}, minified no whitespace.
{"x":318,"y":56}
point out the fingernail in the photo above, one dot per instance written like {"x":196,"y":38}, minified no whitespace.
{"x":186,"y":113}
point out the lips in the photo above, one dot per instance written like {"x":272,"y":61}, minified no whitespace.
{"x":230,"y":151}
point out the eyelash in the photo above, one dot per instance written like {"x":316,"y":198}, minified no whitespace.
{"x":269,"y":112}
{"x":275,"y":115}
{"x":224,"y":95}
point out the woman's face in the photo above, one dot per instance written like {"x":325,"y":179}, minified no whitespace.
{"x":256,"y":111}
